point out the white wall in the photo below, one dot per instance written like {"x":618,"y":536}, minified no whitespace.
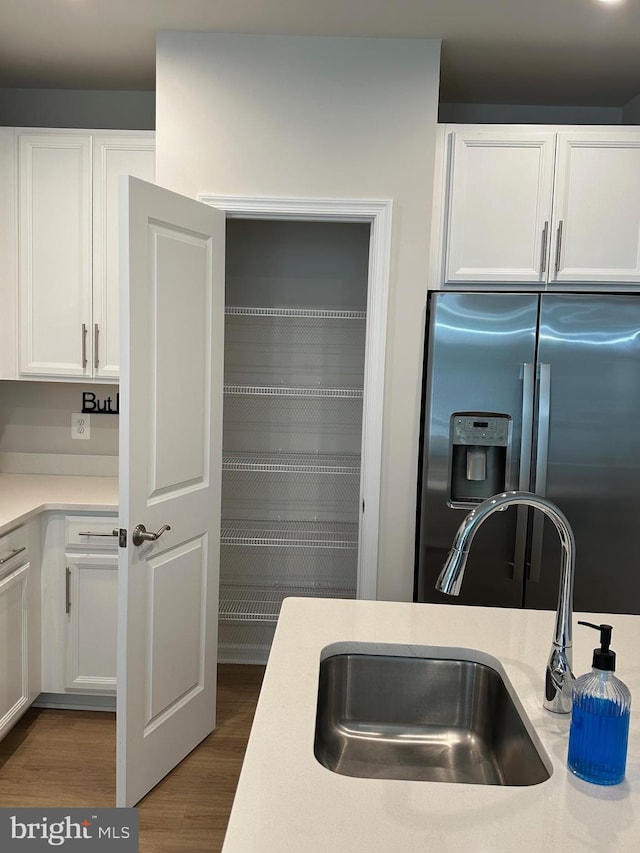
{"x":322,"y":117}
{"x":35,"y":417}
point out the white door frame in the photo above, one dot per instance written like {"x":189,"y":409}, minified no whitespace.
{"x":377,"y":212}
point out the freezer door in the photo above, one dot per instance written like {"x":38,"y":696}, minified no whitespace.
{"x":480,"y":358}
{"x":589,"y":457}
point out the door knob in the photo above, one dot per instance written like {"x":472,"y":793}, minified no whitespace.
{"x":140,"y":534}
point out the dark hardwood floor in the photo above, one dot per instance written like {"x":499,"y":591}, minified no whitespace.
{"x":67,"y":759}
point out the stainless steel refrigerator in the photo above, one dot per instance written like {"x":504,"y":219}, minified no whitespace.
{"x":539,"y":392}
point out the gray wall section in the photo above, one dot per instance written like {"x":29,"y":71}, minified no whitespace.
{"x":631,"y":111}
{"x":115,"y":110}
{"x":124,"y":110}
{"x":532,"y":114}
{"x":35,"y":417}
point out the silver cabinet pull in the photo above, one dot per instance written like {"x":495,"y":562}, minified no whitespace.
{"x":84,"y":344}
{"x":558,"y":246}
{"x":90,"y":533}
{"x":543,"y":255}
{"x":12,"y":554}
{"x":96,"y":333}
{"x":67,"y":591}
{"x":140,"y":534}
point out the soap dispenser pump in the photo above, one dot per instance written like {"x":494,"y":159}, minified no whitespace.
{"x":600,"y":718}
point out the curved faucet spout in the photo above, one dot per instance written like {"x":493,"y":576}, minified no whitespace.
{"x":558,"y":678}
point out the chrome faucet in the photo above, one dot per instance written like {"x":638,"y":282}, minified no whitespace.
{"x":558,"y":676}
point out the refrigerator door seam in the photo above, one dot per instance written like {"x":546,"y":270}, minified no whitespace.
{"x":526,"y":440}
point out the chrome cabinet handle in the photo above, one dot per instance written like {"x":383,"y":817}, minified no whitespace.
{"x":84,"y":344}
{"x":558,"y":246}
{"x":140,"y":534}
{"x":67,"y":591}
{"x":90,"y":533}
{"x":96,"y":333}
{"x":543,"y":255}
{"x":12,"y":554}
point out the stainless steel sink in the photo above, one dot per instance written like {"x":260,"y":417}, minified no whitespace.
{"x":384,"y":716}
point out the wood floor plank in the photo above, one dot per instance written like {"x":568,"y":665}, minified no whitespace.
{"x":66,"y":759}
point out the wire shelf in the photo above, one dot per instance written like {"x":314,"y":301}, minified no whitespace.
{"x":320,"y":313}
{"x":287,"y":424}
{"x":294,"y":351}
{"x":262,"y":604}
{"x":292,"y":391}
{"x":298,"y":463}
{"x":301,"y":496}
{"x":289,"y":534}
{"x":290,"y":565}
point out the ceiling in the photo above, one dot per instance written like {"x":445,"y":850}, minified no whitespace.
{"x":568,"y":52}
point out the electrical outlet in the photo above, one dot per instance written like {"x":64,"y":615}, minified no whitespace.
{"x":80,"y":425}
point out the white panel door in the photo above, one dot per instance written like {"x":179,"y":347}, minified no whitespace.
{"x":171,"y":325}
{"x":113,"y":156}
{"x":55,"y":254}
{"x":499,"y":206}
{"x":597,"y":208}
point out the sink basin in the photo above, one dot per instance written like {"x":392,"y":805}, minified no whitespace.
{"x":435,"y":719}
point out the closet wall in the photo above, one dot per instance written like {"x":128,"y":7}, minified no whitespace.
{"x":341,"y":118}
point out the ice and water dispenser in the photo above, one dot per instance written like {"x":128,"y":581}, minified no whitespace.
{"x":478,"y":451}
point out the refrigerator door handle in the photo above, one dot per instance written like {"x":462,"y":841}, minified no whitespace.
{"x":526,"y":440}
{"x":542,"y":457}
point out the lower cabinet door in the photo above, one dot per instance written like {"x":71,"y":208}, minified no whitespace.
{"x":91,"y":608}
{"x":14,"y":666}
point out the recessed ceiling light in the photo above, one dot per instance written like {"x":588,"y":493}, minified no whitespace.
{"x":611,"y":2}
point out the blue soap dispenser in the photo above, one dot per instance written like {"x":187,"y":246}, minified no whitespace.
{"x":600,"y":718}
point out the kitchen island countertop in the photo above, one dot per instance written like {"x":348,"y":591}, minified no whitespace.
{"x":23,"y":496}
{"x":287,"y":801}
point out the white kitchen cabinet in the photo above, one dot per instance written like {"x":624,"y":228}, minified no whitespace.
{"x":79,"y":601}
{"x":597,"y":208}
{"x":8,"y":265}
{"x":499,"y":205}
{"x":91,"y":590}
{"x":91,"y":608}
{"x":541,"y":206}
{"x":68,"y":248}
{"x":19,"y":628}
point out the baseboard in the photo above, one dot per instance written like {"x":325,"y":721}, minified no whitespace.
{"x":230,"y":653}
{"x":73,"y":702}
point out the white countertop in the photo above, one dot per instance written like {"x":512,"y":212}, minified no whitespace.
{"x":286,"y":801}
{"x":23,"y":496}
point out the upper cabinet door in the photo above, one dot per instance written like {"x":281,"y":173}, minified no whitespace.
{"x":498,"y":218}
{"x":8,"y":255}
{"x":596,"y":233}
{"x":68,"y":248}
{"x":55,"y":254}
{"x":112,"y":156}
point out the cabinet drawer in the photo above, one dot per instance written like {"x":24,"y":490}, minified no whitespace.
{"x":13,"y":550}
{"x":91,"y":532}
